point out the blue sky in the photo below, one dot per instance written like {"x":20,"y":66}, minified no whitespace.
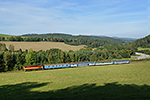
{"x":122,"y":18}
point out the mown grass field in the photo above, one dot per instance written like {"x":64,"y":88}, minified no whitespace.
{"x":36,"y":46}
{"x":119,"y":82}
{"x":140,"y":48}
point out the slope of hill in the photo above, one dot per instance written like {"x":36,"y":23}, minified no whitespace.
{"x":89,"y":41}
{"x":124,"y":39}
{"x":5,"y":35}
{"x":143,"y":42}
{"x":68,"y":36}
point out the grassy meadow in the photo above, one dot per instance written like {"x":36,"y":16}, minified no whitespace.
{"x":36,"y":46}
{"x":140,"y":48}
{"x":119,"y":82}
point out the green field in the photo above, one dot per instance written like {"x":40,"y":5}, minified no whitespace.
{"x":140,"y":48}
{"x":123,"y":82}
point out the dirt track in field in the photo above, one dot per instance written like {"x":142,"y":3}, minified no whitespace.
{"x":36,"y":46}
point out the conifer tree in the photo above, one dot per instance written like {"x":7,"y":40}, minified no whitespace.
{"x":8,"y":59}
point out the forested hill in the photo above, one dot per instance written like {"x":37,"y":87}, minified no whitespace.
{"x":89,"y":41}
{"x":68,"y":36}
{"x":143,"y":42}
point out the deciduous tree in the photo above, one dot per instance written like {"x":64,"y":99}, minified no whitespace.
{"x":30,"y":57}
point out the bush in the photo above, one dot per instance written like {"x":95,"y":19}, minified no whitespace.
{"x":119,"y":57}
{"x":110,"y":57}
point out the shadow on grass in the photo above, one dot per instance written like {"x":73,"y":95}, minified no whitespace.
{"x":86,"y":91}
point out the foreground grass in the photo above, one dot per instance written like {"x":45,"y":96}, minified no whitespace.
{"x":129,"y":81}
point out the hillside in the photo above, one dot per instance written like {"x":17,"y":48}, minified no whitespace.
{"x":5,"y":35}
{"x":68,"y":36}
{"x":121,"y":38}
{"x":143,"y":42}
{"x":89,"y":41}
{"x":125,"y":39}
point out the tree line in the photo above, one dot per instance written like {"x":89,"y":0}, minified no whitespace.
{"x":15,"y":60}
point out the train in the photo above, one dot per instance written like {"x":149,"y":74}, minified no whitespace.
{"x":73,"y":64}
